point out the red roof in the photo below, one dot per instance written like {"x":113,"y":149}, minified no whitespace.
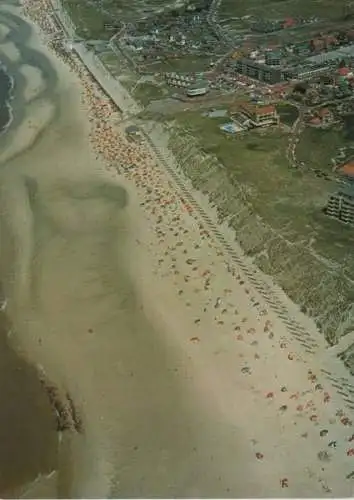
{"x":289,"y":21}
{"x":265,"y":110}
{"x":348,"y":169}
{"x":343,"y":71}
{"x":258,"y":109}
{"x":324,"y":112}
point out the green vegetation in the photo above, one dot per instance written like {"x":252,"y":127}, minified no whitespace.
{"x":91,"y":21}
{"x":118,"y":65}
{"x":257,"y":160}
{"x":232,"y":14}
{"x":147,"y":91}
{"x":316,"y":147}
{"x":279,"y":9}
{"x":144,"y":90}
{"x":276,"y":213}
{"x":183,"y":64}
{"x":100,"y":19}
{"x":287,"y":113}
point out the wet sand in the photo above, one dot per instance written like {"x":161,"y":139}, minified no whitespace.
{"x":27,"y":425}
{"x":6,"y":85}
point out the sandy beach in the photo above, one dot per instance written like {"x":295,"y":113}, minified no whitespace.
{"x":186,"y":382}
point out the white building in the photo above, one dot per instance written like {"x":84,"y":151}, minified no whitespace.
{"x":199,"y":88}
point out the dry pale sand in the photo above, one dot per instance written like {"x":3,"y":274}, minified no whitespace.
{"x":188,"y":385}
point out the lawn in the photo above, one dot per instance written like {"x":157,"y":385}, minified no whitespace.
{"x":186,"y":64}
{"x":324,"y":10}
{"x":91,"y":21}
{"x":316,"y":147}
{"x":146,"y":92}
{"x":99,"y":19}
{"x":287,"y":113}
{"x":117,"y":65}
{"x":281,"y":9}
{"x":257,"y":160}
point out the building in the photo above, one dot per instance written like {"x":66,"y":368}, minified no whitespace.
{"x":302,"y":49}
{"x":340,"y":205}
{"x":343,"y":72}
{"x":272,"y":69}
{"x":273,"y":58}
{"x":317,"y":44}
{"x":197,"y":89}
{"x":342,"y":53}
{"x":347,"y":172}
{"x":133,"y":133}
{"x":322,"y":118}
{"x":325,"y":115}
{"x":259,"y":71}
{"x":276,"y":73}
{"x":178,"y":80}
{"x":315,"y":121}
{"x":306,"y":72}
{"x":260,"y":115}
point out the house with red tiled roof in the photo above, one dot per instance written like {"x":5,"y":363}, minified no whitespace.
{"x":348,"y":169}
{"x":314,"y":121}
{"x":260,"y":115}
{"x":326,"y":116}
{"x":321,"y":117}
{"x":344,"y":71}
